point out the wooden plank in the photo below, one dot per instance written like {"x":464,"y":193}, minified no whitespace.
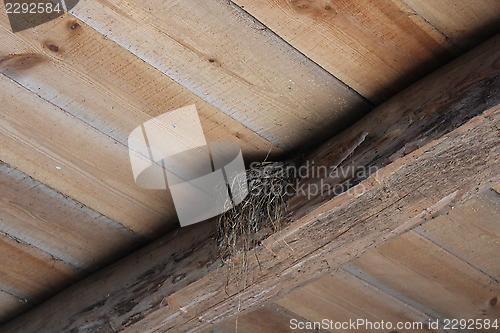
{"x":336,"y":237}
{"x":466,"y":23}
{"x":375,"y":47}
{"x":106,"y":86}
{"x":420,"y":270}
{"x":470,"y":232}
{"x":31,"y":275}
{"x":11,"y":306}
{"x":179,"y":306}
{"x":76,"y":160}
{"x":228,"y":59}
{"x":180,"y":286}
{"x":269,"y":318}
{"x":416,"y":116}
{"x":342,"y":297}
{"x":49,"y":241}
{"x":496,"y":188}
{"x":36,"y":215}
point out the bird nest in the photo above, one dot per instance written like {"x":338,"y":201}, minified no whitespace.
{"x":260,"y":214}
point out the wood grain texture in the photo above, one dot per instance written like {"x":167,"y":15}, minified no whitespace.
{"x":31,"y":274}
{"x":353,"y":292}
{"x":76,"y":160}
{"x":462,"y":243}
{"x":470,"y":232}
{"x":424,"y":112}
{"x":11,"y":306}
{"x":226,"y":58}
{"x":28,"y":276}
{"x":333,"y":234}
{"x":49,"y":241}
{"x":104,"y":85}
{"x":466,"y":23}
{"x":422,"y":271}
{"x":173,"y":286}
{"x":179,"y":286}
{"x":343,"y":297}
{"x":35,"y":215}
{"x":269,"y":318}
{"x":375,"y":47}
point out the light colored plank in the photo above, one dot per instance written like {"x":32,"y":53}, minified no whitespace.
{"x":342,"y":297}
{"x":75,"y":159}
{"x":471,"y":232}
{"x":106,"y":86}
{"x":34,"y":214}
{"x":225,"y":57}
{"x":269,"y":318}
{"x":496,"y":188}
{"x":466,"y":22}
{"x":423,"y":272}
{"x":410,"y":120}
{"x":11,"y":306}
{"x":180,"y":286}
{"x":375,"y":47}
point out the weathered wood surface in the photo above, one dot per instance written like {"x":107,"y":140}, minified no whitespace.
{"x":178,"y":285}
{"x":445,"y":268}
{"x":79,"y":104}
{"x":416,"y":269}
{"x":405,"y":193}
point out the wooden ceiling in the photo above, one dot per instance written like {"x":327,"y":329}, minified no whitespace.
{"x":271,"y":76}
{"x":445,"y":268}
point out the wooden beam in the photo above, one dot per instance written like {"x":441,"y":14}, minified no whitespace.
{"x":86,"y":64}
{"x":76,"y":160}
{"x":437,"y":145}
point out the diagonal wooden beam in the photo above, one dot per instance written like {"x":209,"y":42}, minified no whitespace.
{"x":436,"y":144}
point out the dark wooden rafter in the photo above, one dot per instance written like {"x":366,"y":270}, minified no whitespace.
{"x":436,"y":144}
